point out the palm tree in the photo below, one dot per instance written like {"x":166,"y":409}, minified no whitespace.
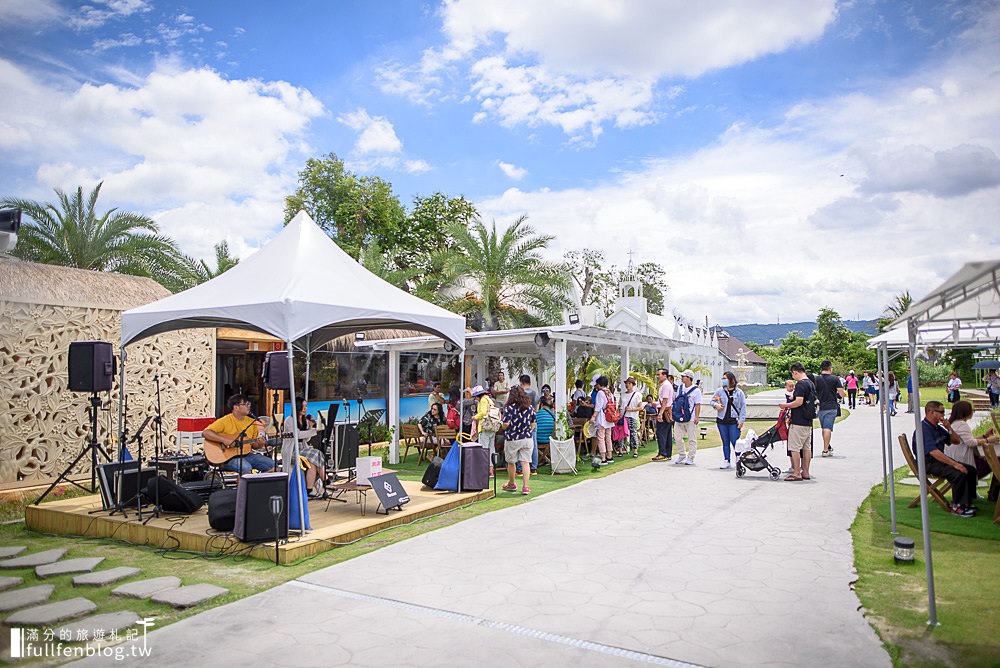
{"x":899,"y":305}
{"x":72,"y":234}
{"x":506,"y":282}
{"x":194,"y":272}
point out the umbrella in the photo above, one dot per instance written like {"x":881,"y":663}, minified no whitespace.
{"x":987,"y":364}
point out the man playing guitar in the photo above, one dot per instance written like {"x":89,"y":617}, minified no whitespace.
{"x":223,"y":448}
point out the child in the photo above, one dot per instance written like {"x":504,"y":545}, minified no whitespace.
{"x":789,"y":392}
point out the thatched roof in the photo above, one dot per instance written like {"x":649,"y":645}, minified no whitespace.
{"x":32,"y":283}
{"x":345,"y":344}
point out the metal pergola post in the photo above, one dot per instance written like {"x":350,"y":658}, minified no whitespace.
{"x":925,"y":520}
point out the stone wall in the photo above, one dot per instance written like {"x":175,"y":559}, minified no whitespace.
{"x":43,"y":426}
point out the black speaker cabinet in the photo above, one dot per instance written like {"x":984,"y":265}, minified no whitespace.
{"x":254,"y":522}
{"x":276,"y":371}
{"x":348,"y":439}
{"x":91,"y":366}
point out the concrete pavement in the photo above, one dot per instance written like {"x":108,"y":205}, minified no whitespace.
{"x":661,"y":564}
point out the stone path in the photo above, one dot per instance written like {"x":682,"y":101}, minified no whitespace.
{"x":661,"y":564}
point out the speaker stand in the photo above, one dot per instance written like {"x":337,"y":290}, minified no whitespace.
{"x":93,"y":447}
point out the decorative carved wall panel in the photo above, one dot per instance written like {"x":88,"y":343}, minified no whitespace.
{"x":43,"y":426}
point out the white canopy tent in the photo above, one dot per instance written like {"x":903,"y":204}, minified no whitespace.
{"x":963,"y":311}
{"x":302,"y":288}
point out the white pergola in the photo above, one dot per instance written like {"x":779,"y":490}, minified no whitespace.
{"x":555,"y":344}
{"x":962,"y":312}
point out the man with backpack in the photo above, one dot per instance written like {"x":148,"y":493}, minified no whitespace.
{"x":803,"y":412}
{"x":686,"y":412}
{"x":605,"y":417}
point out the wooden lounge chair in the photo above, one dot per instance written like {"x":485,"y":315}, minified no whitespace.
{"x":990,"y":453}
{"x":936,"y":488}
{"x":412,"y":438}
{"x":445,"y":437}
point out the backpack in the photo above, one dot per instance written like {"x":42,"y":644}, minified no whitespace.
{"x":454,"y":419}
{"x":492,"y":421}
{"x":681,"y":407}
{"x":611,"y":413}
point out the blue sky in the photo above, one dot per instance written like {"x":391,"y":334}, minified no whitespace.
{"x":775,"y":156}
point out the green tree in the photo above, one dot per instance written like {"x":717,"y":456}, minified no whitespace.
{"x":654,"y":288}
{"x":354,"y":210}
{"x":71,"y":233}
{"x":831,"y":335}
{"x":506,"y":282}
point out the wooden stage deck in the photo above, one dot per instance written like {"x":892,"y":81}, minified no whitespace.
{"x":340,"y":524}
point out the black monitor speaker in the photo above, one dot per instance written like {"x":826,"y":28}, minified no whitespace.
{"x":275,"y":371}
{"x":254,"y":521}
{"x":92,"y":366}
{"x":127,"y":477}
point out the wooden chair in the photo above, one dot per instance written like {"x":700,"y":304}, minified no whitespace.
{"x":990,"y":453}
{"x":582,"y":442}
{"x":412,"y":438}
{"x":445,"y":437}
{"x":936,"y":489}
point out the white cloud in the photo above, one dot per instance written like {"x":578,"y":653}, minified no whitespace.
{"x":512,"y":171}
{"x":102,"y":11}
{"x":416,"y":166}
{"x":578,"y":65}
{"x":210,"y":158}
{"x":375,"y":134}
{"x":29,"y":12}
{"x":848,"y":201}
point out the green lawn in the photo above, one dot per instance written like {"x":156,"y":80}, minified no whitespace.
{"x":966,"y":574}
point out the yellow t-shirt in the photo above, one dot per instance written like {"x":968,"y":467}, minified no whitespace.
{"x":228,"y":425}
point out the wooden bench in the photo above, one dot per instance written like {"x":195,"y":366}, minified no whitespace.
{"x":935,"y":490}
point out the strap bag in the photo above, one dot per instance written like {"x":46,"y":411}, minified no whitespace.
{"x":681,"y":407}
{"x":611,"y":413}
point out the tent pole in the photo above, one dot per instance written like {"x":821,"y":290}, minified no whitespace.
{"x":888,"y":451}
{"x":560,"y":379}
{"x":882,"y":405}
{"x":295,"y":472}
{"x":392,"y":402}
{"x":305,"y":390}
{"x":922,"y":474}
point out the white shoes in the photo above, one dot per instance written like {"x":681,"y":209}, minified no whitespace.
{"x":725,"y":465}
{"x":680,"y":460}
{"x":688,"y":462}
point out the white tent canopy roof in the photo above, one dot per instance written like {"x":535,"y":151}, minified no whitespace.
{"x":971,"y":295}
{"x":300,"y":283}
{"x":955,"y":335}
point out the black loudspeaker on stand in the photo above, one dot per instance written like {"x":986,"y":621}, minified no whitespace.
{"x":275,"y":372}
{"x":91,"y":369}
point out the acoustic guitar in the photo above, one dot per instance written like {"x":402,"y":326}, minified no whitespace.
{"x":218,"y":453}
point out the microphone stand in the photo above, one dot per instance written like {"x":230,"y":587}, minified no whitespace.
{"x":157,"y":446}
{"x":280,"y":430}
{"x":138,"y":472}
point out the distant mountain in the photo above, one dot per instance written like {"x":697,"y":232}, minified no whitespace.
{"x":757,"y":333}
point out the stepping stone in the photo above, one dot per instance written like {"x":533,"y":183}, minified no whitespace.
{"x":8,"y":552}
{"x":50,"y":613}
{"x":32,"y":560}
{"x":105,"y":577}
{"x":146,"y":588}
{"x":21,"y":598}
{"x":108,"y":622}
{"x":83,"y":565}
{"x":185,"y":597}
{"x":8,"y":582}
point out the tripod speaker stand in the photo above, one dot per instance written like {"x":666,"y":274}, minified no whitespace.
{"x":93,"y":448}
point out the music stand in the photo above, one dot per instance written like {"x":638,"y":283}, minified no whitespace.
{"x":371,"y":419}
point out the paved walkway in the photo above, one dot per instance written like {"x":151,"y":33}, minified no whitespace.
{"x":661,"y":564}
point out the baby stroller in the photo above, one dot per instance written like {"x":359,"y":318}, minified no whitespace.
{"x":755,"y":458}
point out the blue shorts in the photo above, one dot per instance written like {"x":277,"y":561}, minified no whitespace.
{"x":827,"y":418}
